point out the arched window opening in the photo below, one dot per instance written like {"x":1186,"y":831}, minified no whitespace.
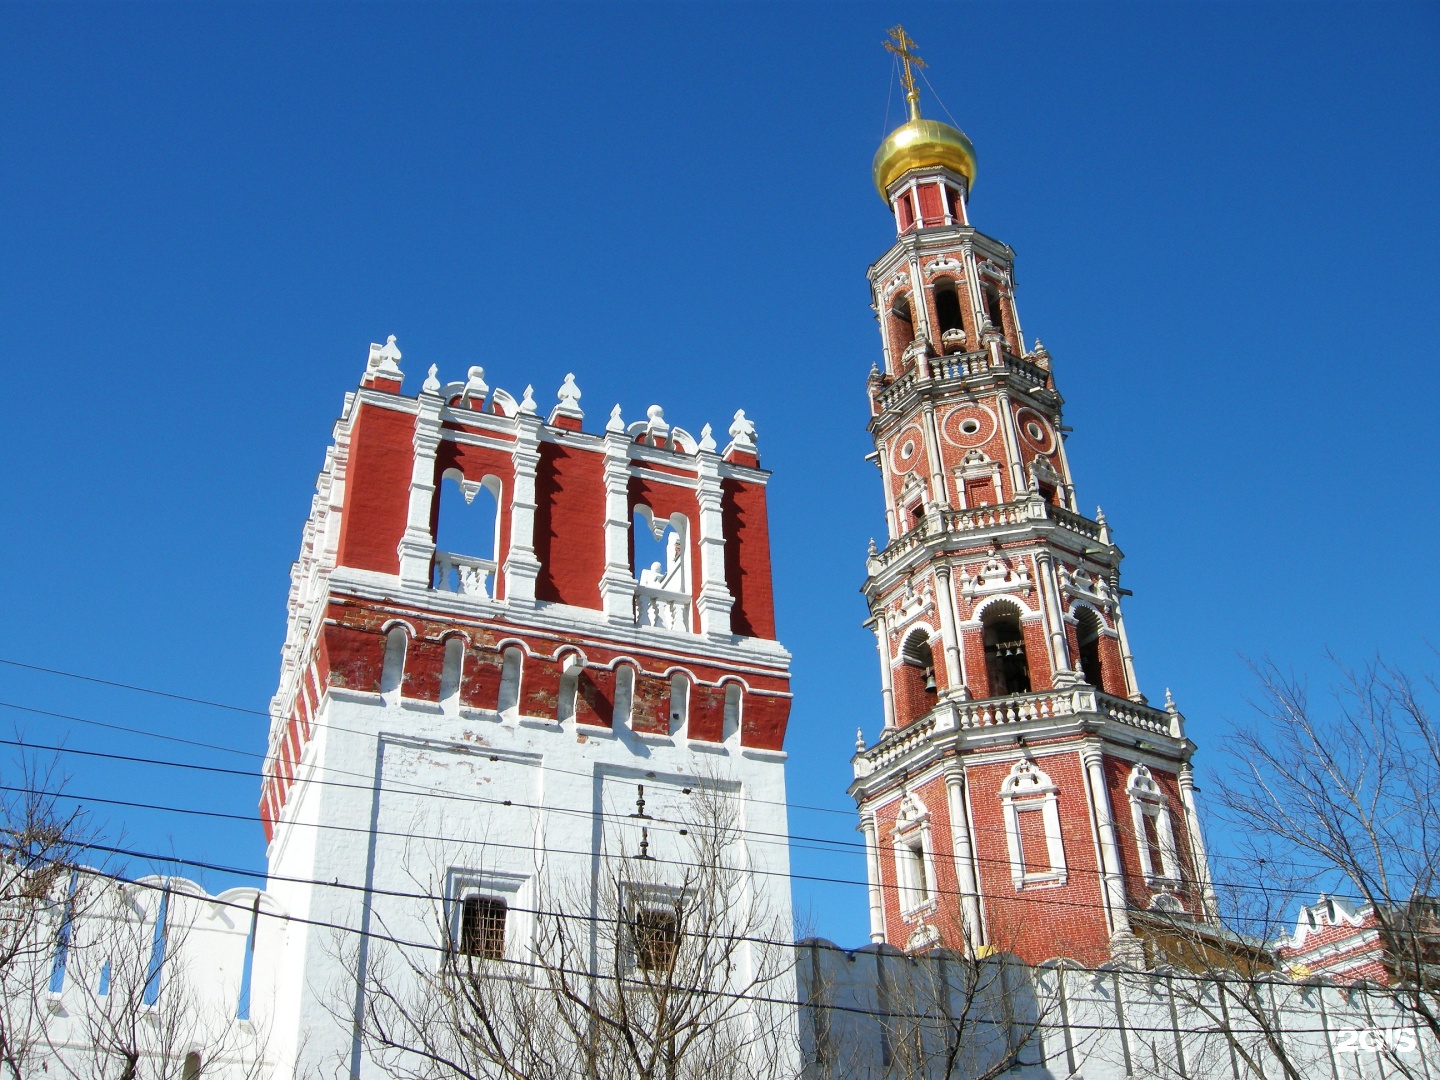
{"x":1005,"y":660}
{"x":947,"y":311}
{"x":1087,"y":631}
{"x":659,"y":558}
{"x":730,"y":727}
{"x":514,"y":662}
{"x":902,"y":328}
{"x":916,"y":653}
{"x":679,"y":703}
{"x":467,"y":535}
{"x":450,"y":673}
{"x":190,"y":1070}
{"x":569,"y":688}
{"x":993,"y":309}
{"x":392,"y":672}
{"x":624,"y":695}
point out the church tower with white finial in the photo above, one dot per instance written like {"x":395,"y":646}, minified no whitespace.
{"x":1022,"y":795}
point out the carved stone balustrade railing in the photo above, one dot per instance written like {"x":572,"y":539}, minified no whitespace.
{"x":963,"y":365}
{"x":464,"y":574}
{"x":980,"y":518}
{"x":1077,"y":701}
{"x":662,"y":608}
{"x":1067,"y":519}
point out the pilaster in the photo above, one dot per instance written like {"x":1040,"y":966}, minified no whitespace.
{"x":522,"y":567}
{"x":964,"y":851}
{"x":872,"y":874}
{"x":1054,"y":612}
{"x":945,"y":605}
{"x":887,"y":689}
{"x":713,"y":600}
{"x":417,"y":545}
{"x":1186,"y":782}
{"x":1123,"y":942}
{"x":617,"y":586}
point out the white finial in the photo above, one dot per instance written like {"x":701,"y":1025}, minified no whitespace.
{"x":385,"y":359}
{"x":656,"y":427}
{"x":569,"y":392}
{"x":859,"y":740}
{"x":742,"y":433}
{"x":432,"y":384}
{"x":527,"y":403}
{"x":707,"y":438}
{"x":615,"y":424}
{"x":569,"y":395}
{"x":1169,"y":701}
{"x":475,"y":387}
{"x":742,"y":430}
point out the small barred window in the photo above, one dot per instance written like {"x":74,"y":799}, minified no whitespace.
{"x":482,"y":928}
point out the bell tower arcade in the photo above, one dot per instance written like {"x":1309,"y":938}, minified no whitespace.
{"x":1022,"y":795}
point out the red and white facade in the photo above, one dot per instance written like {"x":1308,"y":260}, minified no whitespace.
{"x":470,"y":721}
{"x":1022,"y":795}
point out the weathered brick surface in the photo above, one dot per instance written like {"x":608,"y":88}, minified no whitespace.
{"x":378,"y":489}
{"x":570,"y":525}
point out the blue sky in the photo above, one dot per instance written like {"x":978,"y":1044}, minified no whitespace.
{"x":1225,"y":222}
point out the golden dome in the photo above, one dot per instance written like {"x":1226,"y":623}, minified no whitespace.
{"x":917,"y":144}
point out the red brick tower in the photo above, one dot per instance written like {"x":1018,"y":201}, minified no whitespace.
{"x":507,"y":637}
{"x":1023,"y":796}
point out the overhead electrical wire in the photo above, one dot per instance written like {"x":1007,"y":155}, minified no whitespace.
{"x":620,"y":818}
{"x":1067,"y":965}
{"x":791,"y":839}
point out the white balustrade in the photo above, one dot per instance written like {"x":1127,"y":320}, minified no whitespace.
{"x":662,"y":608}
{"x":464,"y":574}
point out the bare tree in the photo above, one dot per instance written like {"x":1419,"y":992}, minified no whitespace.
{"x":938,"y":1014}
{"x":41,"y":895}
{"x":143,"y":1008}
{"x":1343,"y":798}
{"x":655,"y":967}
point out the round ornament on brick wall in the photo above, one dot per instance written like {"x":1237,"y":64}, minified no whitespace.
{"x":1035,"y":430}
{"x":906,"y":454}
{"x":968,"y":425}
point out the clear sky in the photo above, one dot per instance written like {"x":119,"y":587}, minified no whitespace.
{"x":1225,"y":219}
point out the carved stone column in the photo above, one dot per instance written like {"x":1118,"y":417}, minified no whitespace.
{"x":1055,"y":621}
{"x":713,"y":600}
{"x":964,"y":851}
{"x":887,"y":689}
{"x":1124,"y":945}
{"x":939,"y":491}
{"x":417,"y":546}
{"x":1201,"y":860}
{"x":617,"y":583}
{"x":1007,"y":429}
{"x":1127,"y":661}
{"x":872,"y":874}
{"x":945,"y":605}
{"x":521,"y":565}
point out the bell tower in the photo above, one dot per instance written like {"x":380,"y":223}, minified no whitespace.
{"x":1023,"y":795}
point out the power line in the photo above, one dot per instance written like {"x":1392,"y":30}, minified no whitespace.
{"x":936,"y":891}
{"x":889,"y":1014}
{"x":789,"y":838}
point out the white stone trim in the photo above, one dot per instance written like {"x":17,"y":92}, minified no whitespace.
{"x":1029,"y":790}
{"x":1147,"y":801}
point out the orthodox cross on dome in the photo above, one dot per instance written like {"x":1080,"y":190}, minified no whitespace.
{"x":903,"y":45}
